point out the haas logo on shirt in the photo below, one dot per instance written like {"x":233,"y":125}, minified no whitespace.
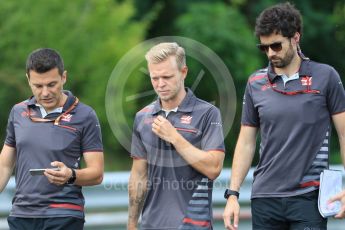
{"x":186,"y":119}
{"x":307,"y":81}
{"x":66,"y":117}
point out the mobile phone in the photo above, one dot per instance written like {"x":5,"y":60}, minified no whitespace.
{"x":38,"y":172}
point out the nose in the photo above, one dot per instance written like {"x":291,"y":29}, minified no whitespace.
{"x":45,"y":91}
{"x":270,"y":52}
{"x":161,"y":82}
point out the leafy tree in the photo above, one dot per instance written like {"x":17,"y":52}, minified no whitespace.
{"x":226,"y":31}
{"x":91,"y":37}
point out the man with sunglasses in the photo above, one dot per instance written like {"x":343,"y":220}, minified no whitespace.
{"x":291,"y":103}
{"x":52,"y":131}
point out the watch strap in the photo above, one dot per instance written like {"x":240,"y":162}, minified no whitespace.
{"x":73,"y":177}
{"x":229,"y":192}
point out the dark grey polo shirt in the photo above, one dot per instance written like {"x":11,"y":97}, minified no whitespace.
{"x":179,"y":197}
{"x":294,"y":127}
{"x":37,"y":145}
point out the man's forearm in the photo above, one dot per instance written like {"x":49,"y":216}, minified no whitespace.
{"x":5,"y":175}
{"x":243,"y":156}
{"x":89,"y":176}
{"x":137,"y":194}
{"x":7,"y":163}
{"x":342,"y":149}
{"x":339,"y":124}
{"x":208,"y":163}
{"x":240,"y":167}
{"x":92,"y":174}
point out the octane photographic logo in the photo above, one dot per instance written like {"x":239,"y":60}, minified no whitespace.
{"x":129,"y":89}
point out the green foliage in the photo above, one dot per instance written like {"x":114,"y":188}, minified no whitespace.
{"x":223,"y":29}
{"x":90,"y":35}
{"x":226,"y":31}
{"x":339,"y":21}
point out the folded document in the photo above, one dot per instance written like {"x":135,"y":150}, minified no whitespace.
{"x":330,"y":185}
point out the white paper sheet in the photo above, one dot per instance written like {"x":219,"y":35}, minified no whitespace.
{"x":330,"y":185}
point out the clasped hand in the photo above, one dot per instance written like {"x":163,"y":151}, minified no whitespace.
{"x":164,"y":129}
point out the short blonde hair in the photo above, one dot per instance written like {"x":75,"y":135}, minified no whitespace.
{"x":163,"y":51}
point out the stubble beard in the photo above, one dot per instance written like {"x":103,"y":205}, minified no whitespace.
{"x":172,"y":96}
{"x":278,"y":62}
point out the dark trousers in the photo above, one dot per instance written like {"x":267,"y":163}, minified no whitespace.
{"x":58,"y":223}
{"x":288,"y":213}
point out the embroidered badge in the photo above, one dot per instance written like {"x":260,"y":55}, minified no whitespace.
{"x":307,"y":81}
{"x":186,"y":119}
{"x":66,"y":117}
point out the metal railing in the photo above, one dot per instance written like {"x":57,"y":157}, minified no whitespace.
{"x":106,"y":204}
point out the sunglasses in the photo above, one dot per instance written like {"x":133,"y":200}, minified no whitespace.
{"x":276,"y":47}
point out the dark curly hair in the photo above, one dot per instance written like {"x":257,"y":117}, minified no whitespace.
{"x":282,"y":19}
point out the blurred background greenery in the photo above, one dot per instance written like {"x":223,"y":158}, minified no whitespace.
{"x":93,"y":35}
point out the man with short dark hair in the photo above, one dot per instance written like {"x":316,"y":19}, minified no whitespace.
{"x":52,"y":131}
{"x":291,"y":103}
{"x":177,"y":150}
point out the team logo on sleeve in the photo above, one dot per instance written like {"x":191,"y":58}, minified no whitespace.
{"x":148,"y":120}
{"x":186,"y":119}
{"x":27,"y":113}
{"x":307,"y":81}
{"x":268,"y":86}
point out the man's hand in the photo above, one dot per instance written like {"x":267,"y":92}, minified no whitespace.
{"x":164,"y":129}
{"x":58,"y":177}
{"x":231,"y":213}
{"x":339,"y":197}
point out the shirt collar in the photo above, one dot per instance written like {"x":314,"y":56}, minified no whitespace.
{"x":186,"y":105}
{"x":44,"y":112}
{"x":304,"y":70}
{"x":69,"y":102}
{"x":290,"y":78}
{"x":169,"y":111}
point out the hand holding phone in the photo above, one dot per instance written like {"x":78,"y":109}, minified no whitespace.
{"x":40,"y":172}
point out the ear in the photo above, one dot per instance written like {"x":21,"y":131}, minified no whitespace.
{"x":297,"y":37}
{"x":184,"y":71}
{"x":64,"y":77}
{"x":27,"y":78}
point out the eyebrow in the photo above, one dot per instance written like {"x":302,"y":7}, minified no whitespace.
{"x":49,"y":83}
{"x":163,"y":76}
{"x":266,"y":44}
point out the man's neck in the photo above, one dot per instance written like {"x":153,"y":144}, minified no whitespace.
{"x":63,"y":100}
{"x":290,"y":69}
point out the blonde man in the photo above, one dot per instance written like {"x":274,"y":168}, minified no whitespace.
{"x":177,"y":150}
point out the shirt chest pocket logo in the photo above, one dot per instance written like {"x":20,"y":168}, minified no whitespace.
{"x":185,"y":119}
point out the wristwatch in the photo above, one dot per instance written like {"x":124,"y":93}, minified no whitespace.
{"x":229,"y":192}
{"x":72,"y":179}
